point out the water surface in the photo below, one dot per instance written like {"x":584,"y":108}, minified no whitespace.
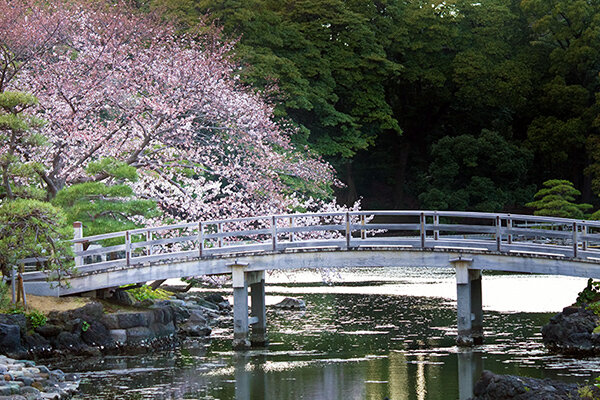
{"x":366,"y":334}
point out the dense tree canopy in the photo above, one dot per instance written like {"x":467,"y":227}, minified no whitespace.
{"x":378,"y":87}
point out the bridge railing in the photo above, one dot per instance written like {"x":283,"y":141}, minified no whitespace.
{"x":436,"y":230}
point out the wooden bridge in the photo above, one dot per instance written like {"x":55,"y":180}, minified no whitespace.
{"x":247,"y":247}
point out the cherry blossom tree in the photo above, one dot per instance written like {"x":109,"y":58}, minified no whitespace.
{"x":114,"y":83}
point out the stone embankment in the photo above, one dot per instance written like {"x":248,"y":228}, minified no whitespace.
{"x":91,"y":331}
{"x":508,"y":387}
{"x":24,"y":380}
{"x":571,"y":332}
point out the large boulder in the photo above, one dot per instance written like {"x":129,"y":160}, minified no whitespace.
{"x":572,"y":332}
{"x":10,"y":339}
{"x":507,"y":387}
{"x":291,"y":303}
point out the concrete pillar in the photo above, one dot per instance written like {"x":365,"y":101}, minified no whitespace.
{"x":468,"y":303}
{"x":476,"y":306}
{"x":240,"y":307}
{"x":258,"y":335}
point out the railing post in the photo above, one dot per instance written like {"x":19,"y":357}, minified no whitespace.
{"x":422,"y":232}
{"x":78,"y":247}
{"x":274,"y":232}
{"x":348,"y":232}
{"x":575,"y":243}
{"x":363,"y":233}
{"x":436,"y":223}
{"x":509,"y":227}
{"x":127,"y":248}
{"x":291,"y":226}
{"x":220,"y":230}
{"x":149,"y":238}
{"x":200,"y":238}
{"x":498,"y":233}
{"x":584,"y":243}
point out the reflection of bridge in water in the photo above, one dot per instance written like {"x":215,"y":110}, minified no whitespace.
{"x":247,"y":247}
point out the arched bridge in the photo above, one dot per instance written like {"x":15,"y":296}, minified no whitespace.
{"x":246,"y":247}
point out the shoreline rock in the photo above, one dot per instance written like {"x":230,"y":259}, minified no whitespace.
{"x":89,"y":331}
{"x":491,"y":386}
{"x":571,"y":332}
{"x":22,"y":379}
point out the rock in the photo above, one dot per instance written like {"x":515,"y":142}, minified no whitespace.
{"x":15,"y":319}
{"x":130,"y":320}
{"x":68,"y":341}
{"x":119,"y":335}
{"x":506,"y":387}
{"x":29,"y":391}
{"x":139,"y":334}
{"x":196,"y":330}
{"x":96,"y":334}
{"x":571,"y":332}
{"x":49,"y":330}
{"x":10,"y":339}
{"x":110,"y":321}
{"x":215,"y":298}
{"x":122,"y":297}
{"x":197,"y":317}
{"x":291,"y":303}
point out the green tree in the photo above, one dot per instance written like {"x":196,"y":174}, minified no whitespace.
{"x":107,"y":206}
{"x":483,"y":173}
{"x":557,"y":199}
{"x":32,"y":228}
{"x":18,"y":137}
{"x":565,"y":34}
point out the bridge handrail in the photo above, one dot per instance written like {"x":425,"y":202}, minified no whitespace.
{"x":416,"y":213}
{"x":348,"y":229}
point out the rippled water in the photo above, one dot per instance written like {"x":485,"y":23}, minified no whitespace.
{"x":373,"y":334}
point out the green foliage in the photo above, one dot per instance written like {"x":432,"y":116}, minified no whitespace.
{"x":36,"y":319}
{"x":104,"y":208}
{"x":145,"y":292}
{"x":31,"y":228}
{"x":19,"y":179}
{"x":590,"y":294}
{"x":484,"y":173}
{"x":557,"y":198}
{"x":85,"y":326}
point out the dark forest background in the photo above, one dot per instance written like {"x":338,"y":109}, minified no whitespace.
{"x":428,"y":104}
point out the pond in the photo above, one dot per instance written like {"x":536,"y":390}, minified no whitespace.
{"x":367,"y":333}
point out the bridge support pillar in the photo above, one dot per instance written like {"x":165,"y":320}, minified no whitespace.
{"x":258,"y":336}
{"x":240,"y":307}
{"x":468,"y":303}
{"x":242,"y":280}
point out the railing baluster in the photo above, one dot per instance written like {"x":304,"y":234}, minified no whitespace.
{"x":149,"y":238}
{"x":291,"y":226}
{"x":127,"y":248}
{"x":498,"y":233}
{"x":200,"y":238}
{"x":584,"y":243}
{"x":422,"y":231}
{"x":220,"y":230}
{"x":77,"y":247}
{"x":575,"y":242}
{"x":363,"y":232}
{"x":436,"y":223}
{"x":274,"y":232}
{"x":509,"y":225}
{"x":348,"y":231}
